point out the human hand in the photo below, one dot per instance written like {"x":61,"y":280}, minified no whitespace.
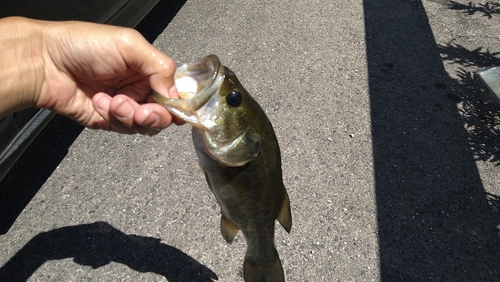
{"x":98,"y":75}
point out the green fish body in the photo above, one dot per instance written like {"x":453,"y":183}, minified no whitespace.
{"x":239,"y":154}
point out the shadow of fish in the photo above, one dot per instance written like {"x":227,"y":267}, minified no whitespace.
{"x":239,"y":154}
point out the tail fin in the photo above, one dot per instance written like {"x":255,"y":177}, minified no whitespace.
{"x":254,"y":271}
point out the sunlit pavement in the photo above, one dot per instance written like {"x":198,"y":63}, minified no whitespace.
{"x":389,"y":145}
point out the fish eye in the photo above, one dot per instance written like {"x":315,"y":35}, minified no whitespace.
{"x":234,"y":98}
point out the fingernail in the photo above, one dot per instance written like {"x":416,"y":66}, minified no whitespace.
{"x":152,"y":120}
{"x":103,"y":104}
{"x":125,"y":111}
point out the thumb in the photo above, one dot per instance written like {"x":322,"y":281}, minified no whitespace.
{"x":148,"y":61}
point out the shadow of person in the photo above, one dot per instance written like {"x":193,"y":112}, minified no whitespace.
{"x":98,"y":244}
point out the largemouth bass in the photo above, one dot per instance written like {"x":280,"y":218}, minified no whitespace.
{"x":240,"y":157}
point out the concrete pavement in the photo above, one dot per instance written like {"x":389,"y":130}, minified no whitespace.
{"x":389,"y":146}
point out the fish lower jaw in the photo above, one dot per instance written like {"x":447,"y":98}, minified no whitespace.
{"x":225,"y":152}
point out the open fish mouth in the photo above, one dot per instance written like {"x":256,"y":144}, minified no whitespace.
{"x":196,"y":82}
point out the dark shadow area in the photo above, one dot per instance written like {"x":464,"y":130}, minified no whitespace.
{"x":159,"y":18}
{"x":488,"y":9}
{"x":34,"y":167}
{"x":98,"y":244}
{"x":435,"y":220}
{"x":90,"y":10}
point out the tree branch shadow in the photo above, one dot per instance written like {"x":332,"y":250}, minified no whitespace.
{"x":458,"y":54}
{"x":99,"y":243}
{"x":478,"y":108}
{"x":488,"y":9}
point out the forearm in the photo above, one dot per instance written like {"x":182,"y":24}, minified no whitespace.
{"x":21,"y":63}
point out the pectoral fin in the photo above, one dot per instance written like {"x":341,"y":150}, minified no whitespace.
{"x":228,"y":229}
{"x":285,"y":216}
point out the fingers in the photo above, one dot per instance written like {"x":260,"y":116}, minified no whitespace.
{"x":159,"y":68}
{"x":122,"y":62}
{"x":152,"y":116}
{"x":172,"y":93}
{"x":124,"y":115}
{"x":102,"y":103}
{"x":149,"y":62}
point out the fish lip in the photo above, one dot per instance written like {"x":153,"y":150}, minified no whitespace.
{"x":198,"y":69}
{"x":209,"y":73}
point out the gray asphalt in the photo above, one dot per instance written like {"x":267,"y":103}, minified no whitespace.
{"x":389,"y":143}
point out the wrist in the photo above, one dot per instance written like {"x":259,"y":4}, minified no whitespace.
{"x":22,"y":72}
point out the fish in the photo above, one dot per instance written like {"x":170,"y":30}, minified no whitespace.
{"x":240,"y":157}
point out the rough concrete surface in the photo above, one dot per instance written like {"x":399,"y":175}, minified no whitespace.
{"x":389,"y":143}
